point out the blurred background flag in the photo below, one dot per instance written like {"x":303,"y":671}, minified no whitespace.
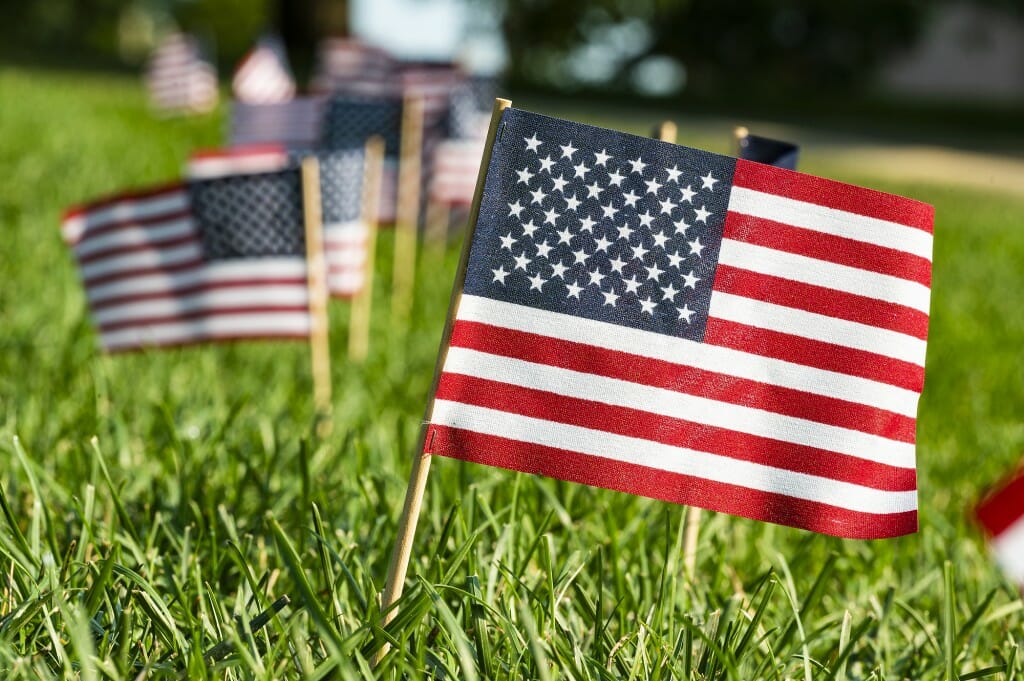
{"x":213,"y":259}
{"x":454,"y":169}
{"x":767,"y":150}
{"x":295,"y":123}
{"x":179,"y":79}
{"x":263,"y":76}
{"x":1001,"y":514}
{"x":686,"y":326}
{"x":341,"y":61}
{"x":341,"y":187}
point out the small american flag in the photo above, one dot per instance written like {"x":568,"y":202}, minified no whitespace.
{"x":341,"y":186}
{"x":263,"y":76}
{"x":1001,"y":514}
{"x":686,"y":326}
{"x":296,"y":123}
{"x":179,"y":80}
{"x":454,"y":170}
{"x":341,"y":61}
{"x":767,"y":150}
{"x":212,"y":259}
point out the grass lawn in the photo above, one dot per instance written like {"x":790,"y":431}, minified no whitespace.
{"x":154,"y":504}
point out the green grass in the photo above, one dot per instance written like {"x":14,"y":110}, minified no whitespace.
{"x":155,"y":504}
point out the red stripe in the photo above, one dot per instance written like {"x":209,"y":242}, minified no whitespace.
{"x":1003,"y":507}
{"x":115,"y":251}
{"x":142,"y":272}
{"x":822,"y":300}
{"x":836,"y":249}
{"x":118,"y":198}
{"x":195,"y":288}
{"x":680,"y":378}
{"x":200,"y":314}
{"x":832,"y":194}
{"x":674,"y":432}
{"x":204,"y":338}
{"x":814,"y":353}
{"x":666,"y":486}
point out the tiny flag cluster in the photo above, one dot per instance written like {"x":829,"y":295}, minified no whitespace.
{"x":1001,"y":514}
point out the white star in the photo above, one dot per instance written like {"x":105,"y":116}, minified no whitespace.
{"x":690,"y":281}
{"x":696,"y":246}
{"x":543,"y":248}
{"x":500,"y":274}
{"x":538,"y":196}
{"x":653,"y":186}
{"x":603,"y":244}
{"x":685,"y":312}
{"x":610,"y":297}
{"x":673,"y":174}
{"x":521,"y":262}
{"x":709,"y":182}
{"x":524,"y":176}
{"x":626,"y":231}
{"x":632,"y":284}
{"x":639,"y":251}
{"x":536,"y":281}
{"x":667,"y":206}
{"x":653,"y":271}
{"x":682,"y":226}
{"x":580,"y":169}
{"x":702,"y":214}
{"x":579,"y":256}
{"x":532,"y":143}
{"x":568,"y":150}
{"x":593,"y":190}
{"x":617,"y":264}
{"x":645,"y":219}
{"x":616,"y":178}
{"x":609,"y":211}
{"x":550,"y":216}
{"x":574,"y":290}
{"x":688,"y":193}
{"x":671,"y":291}
{"x":546,"y":163}
{"x":560,"y":183}
{"x":564,"y":236}
{"x":515,"y":209}
{"x":659,"y":239}
{"x":571,"y":202}
{"x":601,"y":158}
{"x":586,"y":225}
{"x":530,"y":227}
{"x":647,"y":305}
{"x":630,"y":198}
{"x":638,"y":165}
{"x":559,"y":269}
{"x":674,"y":259}
{"x":507,"y":241}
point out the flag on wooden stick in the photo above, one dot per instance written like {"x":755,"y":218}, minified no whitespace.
{"x":691,"y":327}
{"x":1001,"y":514}
{"x":263,"y":75}
{"x":179,"y":79}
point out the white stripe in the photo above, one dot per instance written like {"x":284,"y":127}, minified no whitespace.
{"x":78,"y":226}
{"x":142,"y":260}
{"x":1008,"y":548}
{"x":250,"y":296}
{"x":677,"y":405}
{"x":674,"y":459}
{"x":688,"y":353}
{"x":141,"y":235}
{"x":351,"y":233}
{"x":263,"y":324}
{"x":345,"y":283}
{"x":218,"y":166}
{"x":817,"y":327}
{"x":823,"y":273}
{"x":831,"y":221}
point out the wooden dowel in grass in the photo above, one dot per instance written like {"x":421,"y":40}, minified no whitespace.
{"x":408,"y":211}
{"x":362,"y":302}
{"x":316,"y":277}
{"x":402,"y":551}
{"x":436,"y":236}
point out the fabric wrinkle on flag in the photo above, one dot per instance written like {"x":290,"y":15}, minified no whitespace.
{"x":686,"y":326}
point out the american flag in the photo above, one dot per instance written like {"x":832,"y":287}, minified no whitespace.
{"x":295,"y":123}
{"x":686,"y":326}
{"x":1001,"y":514}
{"x":179,"y":80}
{"x":263,"y":76}
{"x":767,"y":150}
{"x":341,"y":61}
{"x":455,"y":166}
{"x":213,"y":259}
{"x":341,"y":186}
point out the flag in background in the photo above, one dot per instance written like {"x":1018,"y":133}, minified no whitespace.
{"x":263,"y":76}
{"x":178,"y":79}
{"x":341,"y":61}
{"x":1001,"y":514}
{"x":213,"y":259}
{"x":686,"y":326}
{"x":341,"y":186}
{"x":454,"y":169}
{"x":770,"y":151}
{"x":295,"y":124}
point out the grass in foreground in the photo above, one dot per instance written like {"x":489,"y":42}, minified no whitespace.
{"x":158,"y":507}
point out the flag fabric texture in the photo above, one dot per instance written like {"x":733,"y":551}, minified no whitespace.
{"x":179,"y":79}
{"x":263,"y":76}
{"x":295,"y":124}
{"x":766,"y":150}
{"x":204,"y":260}
{"x":346,"y":234}
{"x":1001,"y":514}
{"x":690,"y":327}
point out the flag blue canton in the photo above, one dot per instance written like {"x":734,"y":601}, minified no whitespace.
{"x":351,"y":119}
{"x":600,"y":224}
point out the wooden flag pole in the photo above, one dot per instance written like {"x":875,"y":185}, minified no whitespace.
{"x":666,"y":131}
{"x":362,"y":303}
{"x":739,"y":133}
{"x":407,"y":213}
{"x":421,"y":461}
{"x":438,"y":219}
{"x":316,"y":276}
